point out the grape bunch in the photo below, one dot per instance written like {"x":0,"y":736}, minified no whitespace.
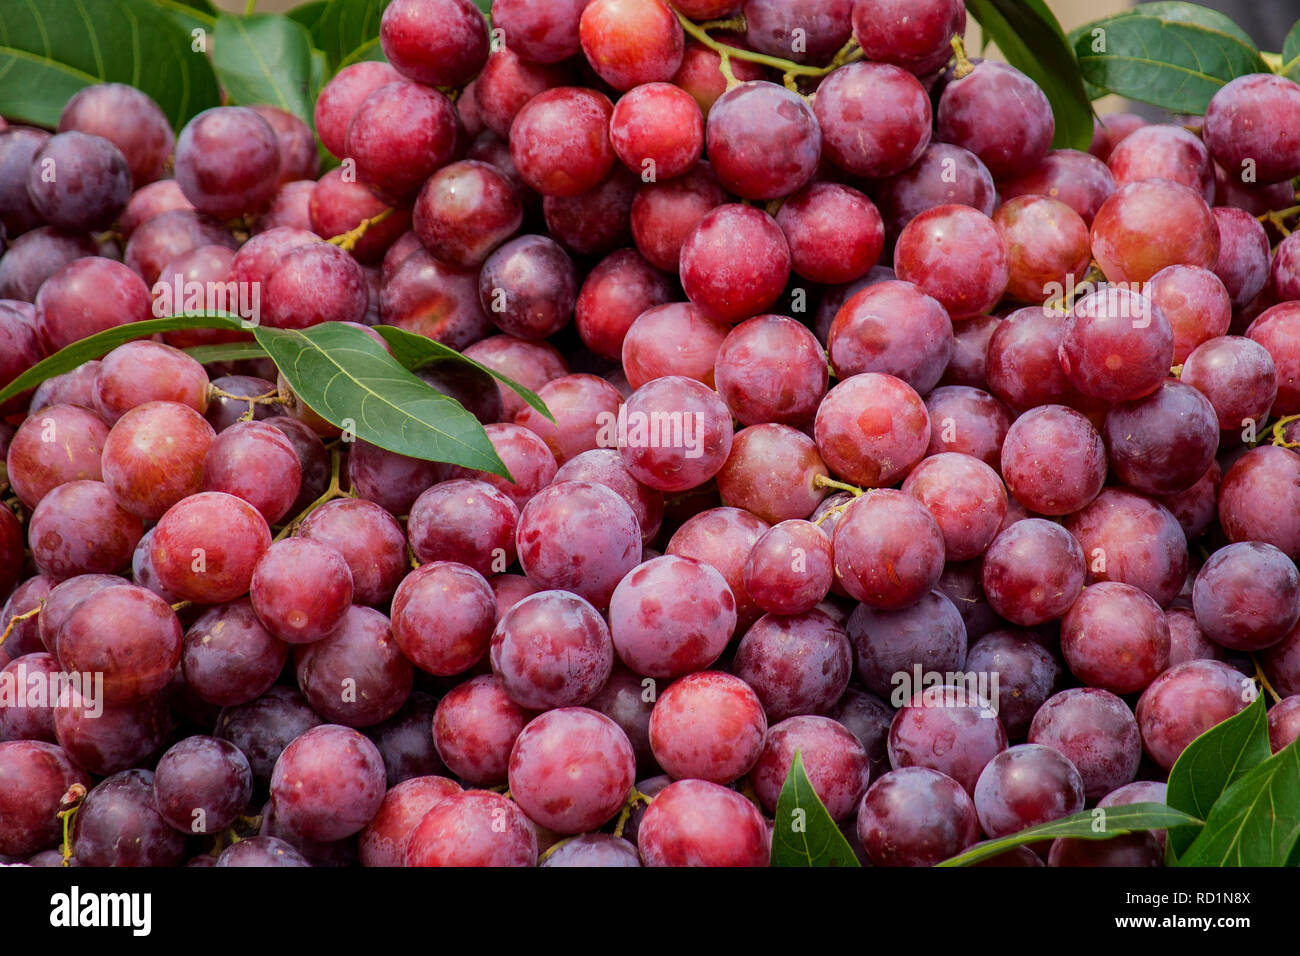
{"x":881,"y":434}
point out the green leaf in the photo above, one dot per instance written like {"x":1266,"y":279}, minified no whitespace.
{"x":100,"y":344}
{"x":348,"y":378}
{"x":265,"y":60}
{"x":413,"y":351}
{"x":805,"y":835}
{"x":1257,"y":820}
{"x":191,"y":16}
{"x":309,"y":14}
{"x":1290,"y":67}
{"x":225,"y":352}
{"x":1031,"y":39}
{"x":51,"y":49}
{"x":1211,"y":764}
{"x":1098,"y":824}
{"x":1172,"y":55}
{"x":347,"y":25}
{"x":370,"y":50}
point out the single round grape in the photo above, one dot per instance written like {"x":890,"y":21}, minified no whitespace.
{"x":1130,"y":538}
{"x":796,"y":665}
{"x":529,"y":287}
{"x":312,"y":284}
{"x":369,"y":539}
{"x":1130,"y":243}
{"x":37,"y":775}
{"x":1184,"y":702}
{"x":1024,"y":368}
{"x":443,"y":616}
{"x":657,"y":130}
{"x":383,"y":841}
{"x":1047,"y":247}
{"x":465,"y":211}
{"x":1164,"y":443}
{"x":61,"y":443}
{"x":390,"y":480}
{"x":152,"y":200}
{"x":889,"y":643}
{"x":1117,"y":345}
{"x":207,"y":546}
{"x":707,"y":726}
{"x":559,"y":141}
{"x":545,"y":34}
{"x":301,"y":589}
{"x":763,"y":140}
{"x":106,"y":740}
{"x":154,"y":457}
{"x":508,"y":82}
{"x":593,"y":850}
{"x":202,"y":785}
{"x":1000,"y":115}
{"x":1080,"y":180}
{"x":470,"y":522}
{"x":329,"y":783}
{"x":430,"y":299}
{"x":584,"y":411}
{"x":571,"y":770}
{"x":552,"y":649}
{"x":78,"y":528}
{"x":357,"y":675}
{"x":623,"y":700}
{"x":1053,"y":460}
{"x":771,"y":369}
{"x":671,"y":616}
{"x":400,"y":135}
{"x":18,"y":144}
{"x":261,"y":851}
{"x":474,"y":728}
{"x":531,"y":364}
{"x":1029,"y":673}
{"x":298,"y":157}
{"x":631,"y":42}
{"x":957,"y":255}
{"x":79,"y":182}
{"x":967,"y":421}
{"x":944,"y":174}
{"x":698,"y":823}
{"x":1114,"y":636}
{"x":129,"y":119}
{"x":474,"y":828}
{"x":735,"y":263}
{"x":119,"y":824}
{"x":1187,"y":642}
{"x":1247,"y":596}
{"x":948,"y":729}
{"x":914,"y":36}
{"x":1284,"y":724}
{"x":889,"y":550}
{"x":71,"y":388}
{"x":875,"y":119}
{"x":966,"y":499}
{"x":673,"y":433}
{"x":835,"y":233}
{"x":790,"y":569}
{"x":772,"y":472}
{"x":1033,"y":571}
{"x":676,"y":338}
{"x":892,"y":327}
{"x":435,"y":42}
{"x":256,"y":462}
{"x":1278,"y":330}
{"x":915,"y":816}
{"x":128,"y":637}
{"x":227,"y":161}
{"x":1245,"y":123}
{"x":604,"y":466}
{"x":229,"y":658}
{"x":87,"y":296}
{"x":1025,"y":786}
{"x":617,"y":291}
{"x":1096,"y":731}
{"x":872,"y":428}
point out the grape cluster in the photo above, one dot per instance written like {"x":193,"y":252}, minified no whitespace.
{"x":881,"y":433}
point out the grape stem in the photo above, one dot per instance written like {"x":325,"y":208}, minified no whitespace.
{"x":1278,"y":217}
{"x":1263,"y":681}
{"x":825,"y":481}
{"x":964,"y":65}
{"x":347,"y":241}
{"x":626,"y":814}
{"x":270,"y":398}
{"x":16,"y":619}
{"x":332,"y":492}
{"x":790,"y":71}
{"x":68,"y":808}
{"x":1279,"y":431}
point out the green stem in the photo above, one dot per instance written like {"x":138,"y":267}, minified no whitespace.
{"x":788,"y":68}
{"x":964,"y":65}
{"x":250,"y":7}
{"x":823,"y":481}
{"x":347,"y":241}
{"x":69,"y":806}
{"x":1263,"y":681}
{"x":1279,"y":430}
{"x":14,"y":621}
{"x":332,"y":492}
